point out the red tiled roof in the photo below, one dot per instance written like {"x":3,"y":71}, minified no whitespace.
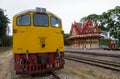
{"x":84,"y":28}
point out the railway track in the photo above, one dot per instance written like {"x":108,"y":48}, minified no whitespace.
{"x":49,"y":75}
{"x":97,"y":62}
{"x":55,"y":75}
{"x":93,"y":53}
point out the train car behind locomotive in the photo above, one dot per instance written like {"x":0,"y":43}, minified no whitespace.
{"x":37,"y":42}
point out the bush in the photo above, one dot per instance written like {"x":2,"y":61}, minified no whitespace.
{"x":6,"y":41}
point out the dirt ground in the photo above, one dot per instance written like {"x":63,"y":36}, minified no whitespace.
{"x":75,"y":70}
{"x":5,"y":57}
{"x":72,"y":70}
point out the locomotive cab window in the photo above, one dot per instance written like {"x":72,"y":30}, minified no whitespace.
{"x":23,"y":20}
{"x":40,"y":20}
{"x":55,"y":22}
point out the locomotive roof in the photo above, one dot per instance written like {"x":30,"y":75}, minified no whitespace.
{"x":34,"y":10}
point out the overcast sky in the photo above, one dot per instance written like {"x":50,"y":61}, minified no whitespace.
{"x":68,"y":10}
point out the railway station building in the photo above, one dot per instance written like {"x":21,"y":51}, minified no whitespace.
{"x":84,"y":35}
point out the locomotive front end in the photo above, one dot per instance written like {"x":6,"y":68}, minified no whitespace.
{"x":38,"y":44}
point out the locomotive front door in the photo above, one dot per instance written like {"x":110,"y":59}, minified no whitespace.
{"x":56,"y":27}
{"x":22,"y":25}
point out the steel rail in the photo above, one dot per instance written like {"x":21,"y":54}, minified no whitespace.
{"x":102,"y":63}
{"x":55,"y":76}
{"x":48,"y":75}
{"x":93,"y":53}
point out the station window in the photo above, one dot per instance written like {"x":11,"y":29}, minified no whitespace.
{"x":23,"y":20}
{"x":54,"y":21}
{"x":40,"y":19}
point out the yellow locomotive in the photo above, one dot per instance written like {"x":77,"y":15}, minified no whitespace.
{"x":37,"y":42}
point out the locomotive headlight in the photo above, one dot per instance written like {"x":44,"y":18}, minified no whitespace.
{"x":42,"y":10}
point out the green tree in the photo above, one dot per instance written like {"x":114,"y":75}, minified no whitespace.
{"x":7,"y":41}
{"x":3,"y":25}
{"x":113,"y":22}
{"x":96,"y":19}
{"x":66,"y":42}
{"x":108,"y":21}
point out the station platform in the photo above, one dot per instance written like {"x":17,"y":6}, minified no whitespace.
{"x":94,"y":51}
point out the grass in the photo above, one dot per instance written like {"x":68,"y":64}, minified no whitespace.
{"x":82,"y":76}
{"x":73,"y":74}
{"x":91,"y":73}
{"x":0,"y":69}
{"x":101,"y":77}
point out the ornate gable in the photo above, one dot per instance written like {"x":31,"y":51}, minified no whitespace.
{"x":84,"y":30}
{"x":87,"y":26}
{"x":73,"y":31}
{"x":95,"y":29}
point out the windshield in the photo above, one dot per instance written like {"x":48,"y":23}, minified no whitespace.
{"x":54,"y":21}
{"x":23,"y":20}
{"x":40,"y":19}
